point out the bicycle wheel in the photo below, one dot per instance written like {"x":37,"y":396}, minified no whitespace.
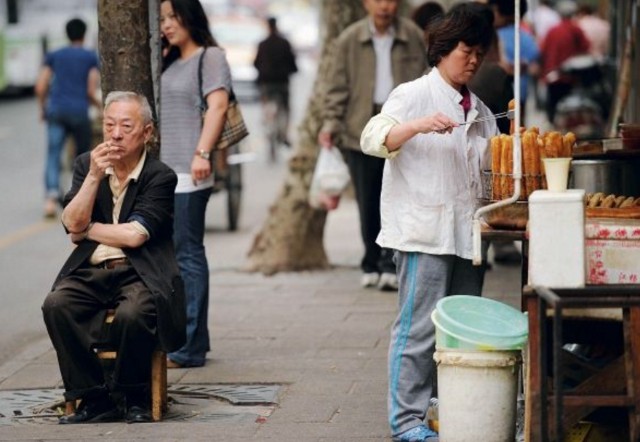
{"x":234,"y":196}
{"x":270,"y":119}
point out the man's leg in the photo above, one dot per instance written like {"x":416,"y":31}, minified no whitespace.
{"x":56,"y":134}
{"x":134,"y":334}
{"x":80,"y":127}
{"x":366,"y":174}
{"x":72,"y":316}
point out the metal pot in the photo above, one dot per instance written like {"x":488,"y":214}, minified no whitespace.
{"x":618,"y":176}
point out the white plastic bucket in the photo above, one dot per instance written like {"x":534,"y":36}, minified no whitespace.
{"x":477,"y":394}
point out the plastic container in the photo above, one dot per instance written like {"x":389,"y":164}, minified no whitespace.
{"x":476,"y":323}
{"x":557,"y":172}
{"x":477,"y":395}
{"x":556,"y":239}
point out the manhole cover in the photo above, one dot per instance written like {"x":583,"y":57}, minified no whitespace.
{"x":204,"y":403}
{"x":236,"y":394}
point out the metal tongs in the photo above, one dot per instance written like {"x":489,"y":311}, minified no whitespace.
{"x":508,"y":114}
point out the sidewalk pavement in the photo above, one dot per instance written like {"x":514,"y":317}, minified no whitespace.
{"x":316,"y":339}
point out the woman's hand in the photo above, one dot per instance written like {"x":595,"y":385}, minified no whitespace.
{"x":200,"y":168}
{"x":437,"y":122}
{"x":400,"y":133}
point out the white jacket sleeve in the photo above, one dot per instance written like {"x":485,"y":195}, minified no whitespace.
{"x":374,"y":135}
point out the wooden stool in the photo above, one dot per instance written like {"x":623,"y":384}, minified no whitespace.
{"x":158,"y":377}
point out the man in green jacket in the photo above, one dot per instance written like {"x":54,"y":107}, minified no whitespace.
{"x":372,"y":57}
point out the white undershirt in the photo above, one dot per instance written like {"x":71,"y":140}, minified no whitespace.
{"x":382,"y":44}
{"x":186,"y":184}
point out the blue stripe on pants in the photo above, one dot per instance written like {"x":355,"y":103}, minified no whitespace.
{"x":405,"y":327}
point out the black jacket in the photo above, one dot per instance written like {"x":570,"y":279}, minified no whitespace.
{"x":150,"y":198}
{"x":275,"y":60}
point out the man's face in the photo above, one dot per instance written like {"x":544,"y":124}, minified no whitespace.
{"x":383,"y":12}
{"x":124,"y":128}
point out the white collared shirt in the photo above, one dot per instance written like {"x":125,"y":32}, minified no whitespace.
{"x":382,"y":44}
{"x":431,"y":186}
{"x":118,"y":191}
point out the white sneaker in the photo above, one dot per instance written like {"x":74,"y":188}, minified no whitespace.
{"x":369,"y":280}
{"x":388,"y":282}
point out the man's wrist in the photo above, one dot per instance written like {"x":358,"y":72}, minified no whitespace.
{"x":85,"y":234}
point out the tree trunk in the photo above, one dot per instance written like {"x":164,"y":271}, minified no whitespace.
{"x":291,"y":238}
{"x":125,"y":53}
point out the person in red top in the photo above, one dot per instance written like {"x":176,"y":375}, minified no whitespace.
{"x":562,"y":42}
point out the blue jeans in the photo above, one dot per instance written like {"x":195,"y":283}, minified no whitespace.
{"x":188,"y":237}
{"x":59,"y":126}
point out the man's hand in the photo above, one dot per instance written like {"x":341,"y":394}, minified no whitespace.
{"x":102,"y":157}
{"x":325,"y":139}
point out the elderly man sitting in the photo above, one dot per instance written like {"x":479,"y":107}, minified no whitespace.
{"x":119,"y":212}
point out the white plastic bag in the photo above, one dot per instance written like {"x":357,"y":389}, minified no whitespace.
{"x":330,"y":178}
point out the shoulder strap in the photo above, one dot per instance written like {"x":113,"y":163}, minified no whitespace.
{"x":203,"y":102}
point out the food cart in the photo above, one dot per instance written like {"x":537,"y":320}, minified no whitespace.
{"x":581,"y":255}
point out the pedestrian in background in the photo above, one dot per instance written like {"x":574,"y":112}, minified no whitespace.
{"x":543,"y":17}
{"x":596,"y":29}
{"x":430,"y":192}
{"x":276,"y":62}
{"x":492,"y":83}
{"x":371,"y":57}
{"x":66,"y":87}
{"x":563,"y":41}
{"x":187,"y":143}
{"x":504,"y":22}
{"x":425,"y":14}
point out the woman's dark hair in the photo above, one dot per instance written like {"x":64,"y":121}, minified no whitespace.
{"x":193,"y":18}
{"x":465,"y":23}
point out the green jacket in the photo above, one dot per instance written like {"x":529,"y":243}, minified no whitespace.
{"x":348,"y":102}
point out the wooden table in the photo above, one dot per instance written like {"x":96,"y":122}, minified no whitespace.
{"x":623,"y":372}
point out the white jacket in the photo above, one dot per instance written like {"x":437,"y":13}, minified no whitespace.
{"x":431,"y":185}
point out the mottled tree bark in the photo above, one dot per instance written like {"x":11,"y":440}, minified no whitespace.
{"x":291,"y":238}
{"x":125,"y":53}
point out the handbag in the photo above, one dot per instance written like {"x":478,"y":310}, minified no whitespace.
{"x":234,"y":129}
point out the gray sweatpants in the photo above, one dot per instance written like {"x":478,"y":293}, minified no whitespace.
{"x":423,"y":280}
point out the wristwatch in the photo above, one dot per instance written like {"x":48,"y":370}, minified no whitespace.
{"x":204,"y":154}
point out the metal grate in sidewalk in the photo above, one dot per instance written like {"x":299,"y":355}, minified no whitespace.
{"x":236,"y":394}
{"x":201,"y":402}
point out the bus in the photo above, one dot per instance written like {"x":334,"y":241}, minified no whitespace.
{"x":30,"y":28}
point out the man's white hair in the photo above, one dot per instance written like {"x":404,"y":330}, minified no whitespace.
{"x":145,"y":108}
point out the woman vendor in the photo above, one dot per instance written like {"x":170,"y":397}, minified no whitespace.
{"x":431,"y":185}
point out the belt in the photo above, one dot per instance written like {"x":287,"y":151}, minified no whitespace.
{"x":112,"y":263}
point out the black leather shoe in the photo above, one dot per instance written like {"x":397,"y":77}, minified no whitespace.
{"x":92,"y":411}
{"x":137,"y":414}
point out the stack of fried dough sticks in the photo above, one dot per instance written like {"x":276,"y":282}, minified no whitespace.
{"x":535,"y":147}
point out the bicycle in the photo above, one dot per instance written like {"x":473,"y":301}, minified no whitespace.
{"x":228,"y":176}
{"x":275,"y":119}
